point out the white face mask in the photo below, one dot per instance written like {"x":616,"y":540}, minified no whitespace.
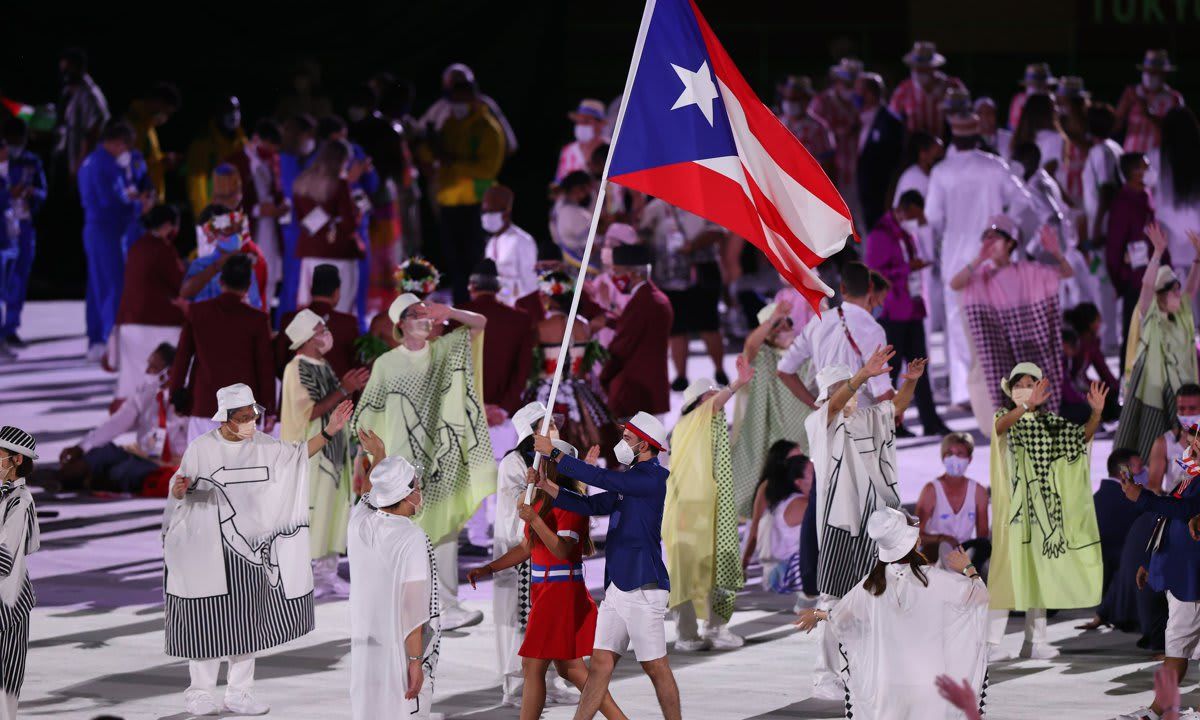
{"x":624,"y":453}
{"x":416,"y":505}
{"x":492,"y":222}
{"x":245,"y":430}
{"x":955,"y":465}
{"x":124,"y":159}
{"x":585,"y":133}
{"x":1021,"y":396}
{"x":792,"y":108}
{"x":1186,"y":421}
{"x":851,"y":405}
{"x":1152,"y":81}
{"x":325,"y":344}
{"x":308,"y":146}
{"x":912,"y":227}
{"x":418,"y":329}
{"x":460,"y":110}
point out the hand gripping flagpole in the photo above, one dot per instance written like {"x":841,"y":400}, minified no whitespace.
{"x":569,"y":332}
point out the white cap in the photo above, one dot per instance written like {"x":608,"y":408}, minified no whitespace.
{"x":524,"y":419}
{"x":890,"y":530}
{"x":698,"y":388}
{"x":392,"y":480}
{"x":232,"y":397}
{"x":829,"y":376}
{"x":565,"y":447}
{"x":302,"y":327}
{"x":400,"y":304}
{"x":765,"y":314}
{"x":647,"y":427}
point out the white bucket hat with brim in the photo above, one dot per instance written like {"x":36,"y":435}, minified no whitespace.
{"x":892,"y":533}
{"x":1025,"y":368}
{"x":19,"y":441}
{"x":232,"y":397}
{"x":697,"y":388}
{"x":829,"y":376}
{"x":392,"y":480}
{"x":524,"y":419}
{"x":302,"y":328}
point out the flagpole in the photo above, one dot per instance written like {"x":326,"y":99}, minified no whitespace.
{"x":569,"y":332}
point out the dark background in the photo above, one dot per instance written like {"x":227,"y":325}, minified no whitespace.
{"x":537,"y":58}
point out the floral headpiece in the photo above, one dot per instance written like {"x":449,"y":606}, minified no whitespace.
{"x":555,"y":282}
{"x":220,"y":226}
{"x":417,"y":275}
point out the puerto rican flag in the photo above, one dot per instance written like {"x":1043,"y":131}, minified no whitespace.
{"x":693,"y":133}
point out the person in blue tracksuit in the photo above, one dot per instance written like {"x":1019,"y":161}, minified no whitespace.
{"x":23,"y":191}
{"x":299,"y":149}
{"x":364,"y":183}
{"x":635,"y":577}
{"x":112,"y":203}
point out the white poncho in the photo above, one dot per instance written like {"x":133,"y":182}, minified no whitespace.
{"x":511,"y":587}
{"x":238,"y":577}
{"x":393,"y":591}
{"x":898,"y":642}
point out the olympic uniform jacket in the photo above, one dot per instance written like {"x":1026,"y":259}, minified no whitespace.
{"x":634,"y":501}
{"x":635,"y":375}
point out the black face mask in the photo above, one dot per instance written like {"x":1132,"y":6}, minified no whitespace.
{"x":796,"y":466}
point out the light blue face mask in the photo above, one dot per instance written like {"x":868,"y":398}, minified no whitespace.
{"x":877,"y":312}
{"x":233,"y":243}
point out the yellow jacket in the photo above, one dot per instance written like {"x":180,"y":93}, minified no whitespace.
{"x":204,"y":154}
{"x":146,"y":141}
{"x":476,"y":143}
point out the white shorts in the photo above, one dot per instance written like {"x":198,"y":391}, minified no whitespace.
{"x":634,"y":615}
{"x":1183,"y":627}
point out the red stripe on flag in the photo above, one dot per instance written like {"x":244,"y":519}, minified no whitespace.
{"x":783,"y":146}
{"x":720,"y":199}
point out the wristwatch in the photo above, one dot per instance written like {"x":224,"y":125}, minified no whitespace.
{"x":417,"y":658}
{"x":327,"y":436}
{"x":555,"y":454}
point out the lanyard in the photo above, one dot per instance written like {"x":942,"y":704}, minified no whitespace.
{"x":846,"y":328}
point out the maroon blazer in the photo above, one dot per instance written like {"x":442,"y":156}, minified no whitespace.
{"x":342,"y":326}
{"x":507,"y":351}
{"x":250,"y":198}
{"x":338,"y":238}
{"x":635,"y":375}
{"x":224,"y":341}
{"x":589,"y":309}
{"x":153,"y":274}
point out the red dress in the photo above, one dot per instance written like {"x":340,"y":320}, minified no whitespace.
{"x":562,"y":621}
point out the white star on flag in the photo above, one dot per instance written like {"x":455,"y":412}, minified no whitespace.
{"x":698,"y":90}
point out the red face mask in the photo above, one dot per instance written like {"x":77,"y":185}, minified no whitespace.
{"x":622,"y":282}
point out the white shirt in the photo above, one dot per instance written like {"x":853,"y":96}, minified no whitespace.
{"x":1102,"y":166}
{"x":140,"y":413}
{"x":965,"y":190}
{"x":913,"y":178}
{"x":1176,"y":218}
{"x":515,"y":253}
{"x":824,"y":341}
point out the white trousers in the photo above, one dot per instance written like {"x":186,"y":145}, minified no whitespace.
{"x":958,"y":347}
{"x":1035,"y":626}
{"x":8,"y":706}
{"x":266,"y":237}
{"x":687,"y":625}
{"x":240,"y":676}
{"x":827,"y":678}
{"x":446,"y":555}
{"x":347,"y":271}
{"x":129,"y":346}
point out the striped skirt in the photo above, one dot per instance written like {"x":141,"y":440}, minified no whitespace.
{"x":844,"y":560}
{"x":252,"y":617}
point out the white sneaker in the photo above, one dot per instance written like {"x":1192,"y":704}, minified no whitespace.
{"x":1189,"y":714}
{"x":559,"y":694}
{"x":512,"y":700}
{"x":722,"y":638}
{"x":96,"y":352}
{"x":1039,"y":651}
{"x":995,"y":654}
{"x":199,"y":702}
{"x":691,"y":645}
{"x":1140,"y":714}
{"x":338,"y":586}
{"x":454,"y":618}
{"x":243,"y":703}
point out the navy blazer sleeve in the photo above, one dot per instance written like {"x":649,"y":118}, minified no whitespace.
{"x":1176,"y":508}
{"x":631,"y":482}
{"x":601,"y":504}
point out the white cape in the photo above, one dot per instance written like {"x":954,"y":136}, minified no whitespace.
{"x":510,"y":590}
{"x":393,"y":590}
{"x":897,"y":643}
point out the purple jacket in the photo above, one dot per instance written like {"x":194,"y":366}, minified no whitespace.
{"x":1131,"y":210}
{"x":888,"y":250}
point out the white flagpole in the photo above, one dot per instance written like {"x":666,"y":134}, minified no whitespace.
{"x":591,"y":239}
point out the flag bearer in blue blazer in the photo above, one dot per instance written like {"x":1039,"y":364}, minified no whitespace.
{"x":636,"y":583}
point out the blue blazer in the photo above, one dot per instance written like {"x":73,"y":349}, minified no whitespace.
{"x":634,"y":499}
{"x":1175,"y":566}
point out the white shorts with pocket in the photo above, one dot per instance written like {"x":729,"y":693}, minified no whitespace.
{"x":1183,"y":627}
{"x":633,"y":617}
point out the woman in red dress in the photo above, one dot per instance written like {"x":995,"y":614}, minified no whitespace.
{"x":562,"y":620}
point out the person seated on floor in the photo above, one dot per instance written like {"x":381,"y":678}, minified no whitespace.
{"x":98,"y":463}
{"x":943,"y":527}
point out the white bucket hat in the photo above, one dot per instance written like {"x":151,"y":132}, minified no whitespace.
{"x":892,"y":533}
{"x":829,"y":376}
{"x":524,"y":419}
{"x":392,"y":480}
{"x":19,"y":441}
{"x":697,"y":388}
{"x":648,"y":427}
{"x":765,"y":314}
{"x":399,"y":305}
{"x":232,"y":397}
{"x":302,"y":327}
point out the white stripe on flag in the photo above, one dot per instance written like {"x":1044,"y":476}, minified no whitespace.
{"x":821,"y":228}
